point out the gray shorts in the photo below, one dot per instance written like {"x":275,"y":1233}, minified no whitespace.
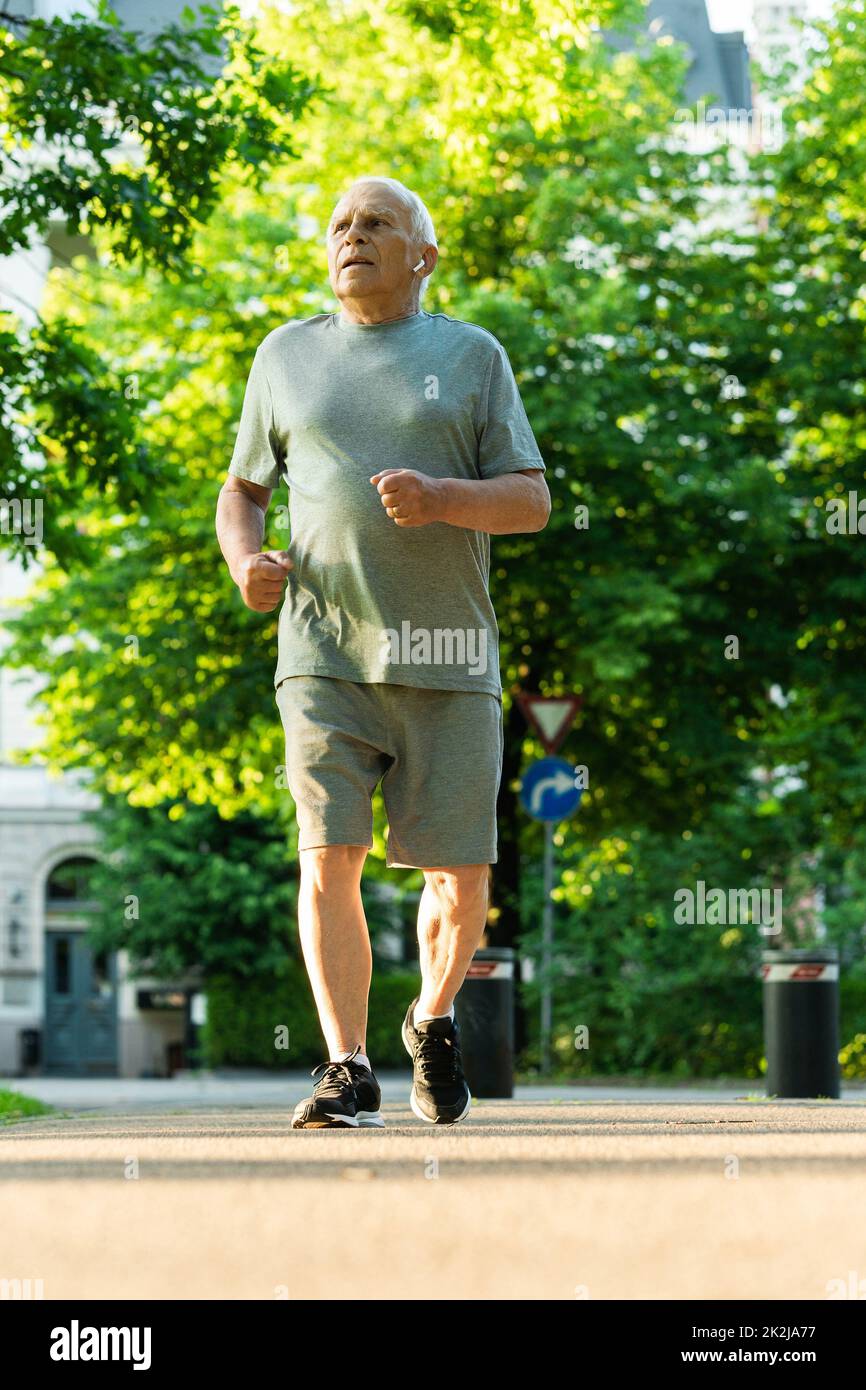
{"x":437,"y":753}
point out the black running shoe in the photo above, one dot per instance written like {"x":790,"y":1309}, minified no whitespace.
{"x":439,"y":1094}
{"x":346,"y":1096}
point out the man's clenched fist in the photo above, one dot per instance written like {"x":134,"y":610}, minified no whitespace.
{"x":409,"y":498}
{"x":261,"y":578}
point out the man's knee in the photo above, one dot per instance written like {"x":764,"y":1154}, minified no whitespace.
{"x":324,"y":865}
{"x":459,"y":888}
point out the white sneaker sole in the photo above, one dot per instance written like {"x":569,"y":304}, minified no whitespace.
{"x":363,"y":1119}
{"x":416,"y":1110}
{"x":369,"y":1119}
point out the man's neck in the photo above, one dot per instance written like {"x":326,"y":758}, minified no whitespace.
{"x":361,"y":311}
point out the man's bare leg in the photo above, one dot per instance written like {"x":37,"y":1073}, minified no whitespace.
{"x":451,"y":918}
{"x":336,"y":943}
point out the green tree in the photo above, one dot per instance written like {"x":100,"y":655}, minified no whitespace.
{"x":128,"y":142}
{"x":182,"y":889}
{"x":791,"y":809}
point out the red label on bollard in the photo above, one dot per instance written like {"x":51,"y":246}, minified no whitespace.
{"x":490,"y":970}
{"x":804,"y":973}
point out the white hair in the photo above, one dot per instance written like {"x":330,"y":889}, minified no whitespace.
{"x":420,"y":222}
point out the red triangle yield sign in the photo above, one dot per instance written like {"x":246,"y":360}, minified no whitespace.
{"x":551,"y":716}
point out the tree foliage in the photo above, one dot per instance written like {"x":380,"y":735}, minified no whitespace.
{"x":127,"y":142}
{"x":193,"y":892}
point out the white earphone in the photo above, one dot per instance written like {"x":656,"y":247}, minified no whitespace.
{"x":419,"y":266}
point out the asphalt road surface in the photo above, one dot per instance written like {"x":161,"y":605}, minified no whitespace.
{"x":527,"y":1199}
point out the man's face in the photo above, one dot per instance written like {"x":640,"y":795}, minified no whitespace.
{"x":370,"y":247}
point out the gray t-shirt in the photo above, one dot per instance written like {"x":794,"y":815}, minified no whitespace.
{"x":330,"y":403}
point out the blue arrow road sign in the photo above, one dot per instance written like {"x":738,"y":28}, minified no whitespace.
{"x":548,"y":791}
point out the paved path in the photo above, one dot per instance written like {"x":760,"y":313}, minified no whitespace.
{"x":676,"y":1197}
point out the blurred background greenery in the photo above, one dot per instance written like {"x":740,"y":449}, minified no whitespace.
{"x":575,"y":227}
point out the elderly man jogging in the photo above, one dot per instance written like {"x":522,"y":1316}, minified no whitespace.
{"x":405,"y":445}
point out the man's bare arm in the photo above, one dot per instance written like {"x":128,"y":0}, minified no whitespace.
{"x":240,"y":527}
{"x":501,"y":506}
{"x":240,"y":519}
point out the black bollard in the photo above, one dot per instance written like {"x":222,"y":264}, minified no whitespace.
{"x":484,"y":1009}
{"x":801,"y":1021}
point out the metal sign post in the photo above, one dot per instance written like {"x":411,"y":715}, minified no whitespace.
{"x":549,"y":792}
{"x":547,"y":951}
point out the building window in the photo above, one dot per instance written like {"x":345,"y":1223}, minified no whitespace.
{"x":69,"y":884}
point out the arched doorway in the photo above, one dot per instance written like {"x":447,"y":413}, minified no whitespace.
{"x":80,"y":985}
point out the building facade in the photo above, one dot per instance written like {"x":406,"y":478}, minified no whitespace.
{"x":64,"y":1009}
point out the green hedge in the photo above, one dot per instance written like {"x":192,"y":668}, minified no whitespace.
{"x":683,"y":1031}
{"x":676,"y":1030}
{"x":852,"y":1030}
{"x":679,"y":1032}
{"x":242,"y":1017}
